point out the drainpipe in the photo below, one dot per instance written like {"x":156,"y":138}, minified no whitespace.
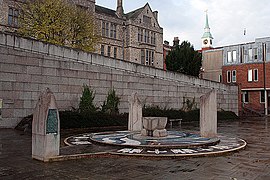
{"x":264,"y":81}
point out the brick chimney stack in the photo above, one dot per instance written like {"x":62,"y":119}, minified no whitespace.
{"x":176,"y":41}
{"x":119,"y":9}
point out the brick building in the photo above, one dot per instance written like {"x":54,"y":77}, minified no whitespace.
{"x":135,"y":36}
{"x":246,"y":65}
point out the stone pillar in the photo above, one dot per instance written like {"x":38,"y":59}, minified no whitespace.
{"x":135,"y":113}
{"x":120,"y":9}
{"x":208,"y":114}
{"x":45,"y":128}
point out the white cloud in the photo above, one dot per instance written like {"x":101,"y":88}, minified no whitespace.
{"x":227,"y":18}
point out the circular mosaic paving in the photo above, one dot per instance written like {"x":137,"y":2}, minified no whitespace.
{"x":174,"y":139}
{"x":175,"y":144}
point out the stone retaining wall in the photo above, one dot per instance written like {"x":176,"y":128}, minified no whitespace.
{"x":28,"y":67}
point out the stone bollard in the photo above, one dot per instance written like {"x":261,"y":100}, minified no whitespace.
{"x":135,"y":113}
{"x":45,"y":128}
{"x":208,"y":114}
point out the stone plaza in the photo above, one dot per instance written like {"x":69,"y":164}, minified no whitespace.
{"x":251,"y":163}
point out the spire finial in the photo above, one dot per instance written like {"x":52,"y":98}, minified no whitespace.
{"x":206,"y":16}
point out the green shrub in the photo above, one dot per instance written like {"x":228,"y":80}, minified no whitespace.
{"x":74,"y":119}
{"x":226,"y":115}
{"x":110,"y":105}
{"x":87,"y":100}
{"x":192,"y":115}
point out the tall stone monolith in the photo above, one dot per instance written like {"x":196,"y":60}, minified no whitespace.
{"x":135,"y":113}
{"x":208,"y":114}
{"x":45,"y":128}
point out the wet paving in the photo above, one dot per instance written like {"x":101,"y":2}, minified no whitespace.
{"x":251,"y":163}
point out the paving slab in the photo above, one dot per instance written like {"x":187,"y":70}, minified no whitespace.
{"x":250,"y":163}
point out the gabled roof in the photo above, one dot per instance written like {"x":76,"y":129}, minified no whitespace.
{"x":134,"y":14}
{"x":103,"y":10}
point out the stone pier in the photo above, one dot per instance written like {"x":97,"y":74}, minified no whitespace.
{"x":208,"y":114}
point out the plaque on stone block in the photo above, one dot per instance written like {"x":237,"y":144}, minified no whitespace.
{"x":52,"y":122}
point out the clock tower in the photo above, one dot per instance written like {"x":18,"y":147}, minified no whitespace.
{"x":207,"y":38}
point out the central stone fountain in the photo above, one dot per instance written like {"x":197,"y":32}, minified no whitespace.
{"x":154,"y":126}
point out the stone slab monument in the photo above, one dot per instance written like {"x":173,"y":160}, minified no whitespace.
{"x":45,"y":128}
{"x":208,"y":114}
{"x":135,"y":113}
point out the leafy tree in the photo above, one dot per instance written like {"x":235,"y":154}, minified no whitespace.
{"x":110,"y":106}
{"x":87,"y":100}
{"x":184,"y":59}
{"x":58,"y":22}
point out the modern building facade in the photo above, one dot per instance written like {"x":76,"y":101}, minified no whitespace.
{"x":246,"y":65}
{"x":135,"y":36}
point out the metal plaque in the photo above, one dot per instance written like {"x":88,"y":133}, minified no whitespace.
{"x":52,"y":122}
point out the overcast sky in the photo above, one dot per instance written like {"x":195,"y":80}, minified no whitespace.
{"x":227,"y":18}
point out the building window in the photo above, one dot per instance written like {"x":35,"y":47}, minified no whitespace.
{"x":113,"y":31}
{"x":143,"y":57}
{"x":220,"y":78}
{"x":103,"y":28}
{"x":245,"y":97}
{"x":107,"y":29}
{"x":140,"y":34}
{"x":109,"y":51}
{"x":152,"y":60}
{"x":262,"y":96}
{"x":242,"y":55}
{"x":147,"y":57}
{"x":234,"y":76}
{"x":255,"y":53}
{"x":147,"y":19}
{"x":153,"y":38}
{"x":229,"y":56}
{"x":13,"y":15}
{"x":234,"y":56}
{"x":228,"y":76}
{"x":146,"y":36}
{"x":250,"y":54}
{"x":256,"y":76}
{"x":249,"y":75}
{"x":115,"y":53}
{"x":1,"y":107}
{"x":102,"y":50}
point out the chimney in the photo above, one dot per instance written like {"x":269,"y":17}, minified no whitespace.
{"x":166,"y":43}
{"x":176,"y":41}
{"x":156,"y":14}
{"x":119,"y":9}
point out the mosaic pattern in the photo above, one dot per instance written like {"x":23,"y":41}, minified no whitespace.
{"x":225,"y":145}
{"x":174,"y":138}
{"x":134,"y":144}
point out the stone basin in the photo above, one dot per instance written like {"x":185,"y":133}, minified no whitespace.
{"x":154,"y":126}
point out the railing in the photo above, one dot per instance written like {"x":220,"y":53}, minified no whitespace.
{"x":253,"y":111}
